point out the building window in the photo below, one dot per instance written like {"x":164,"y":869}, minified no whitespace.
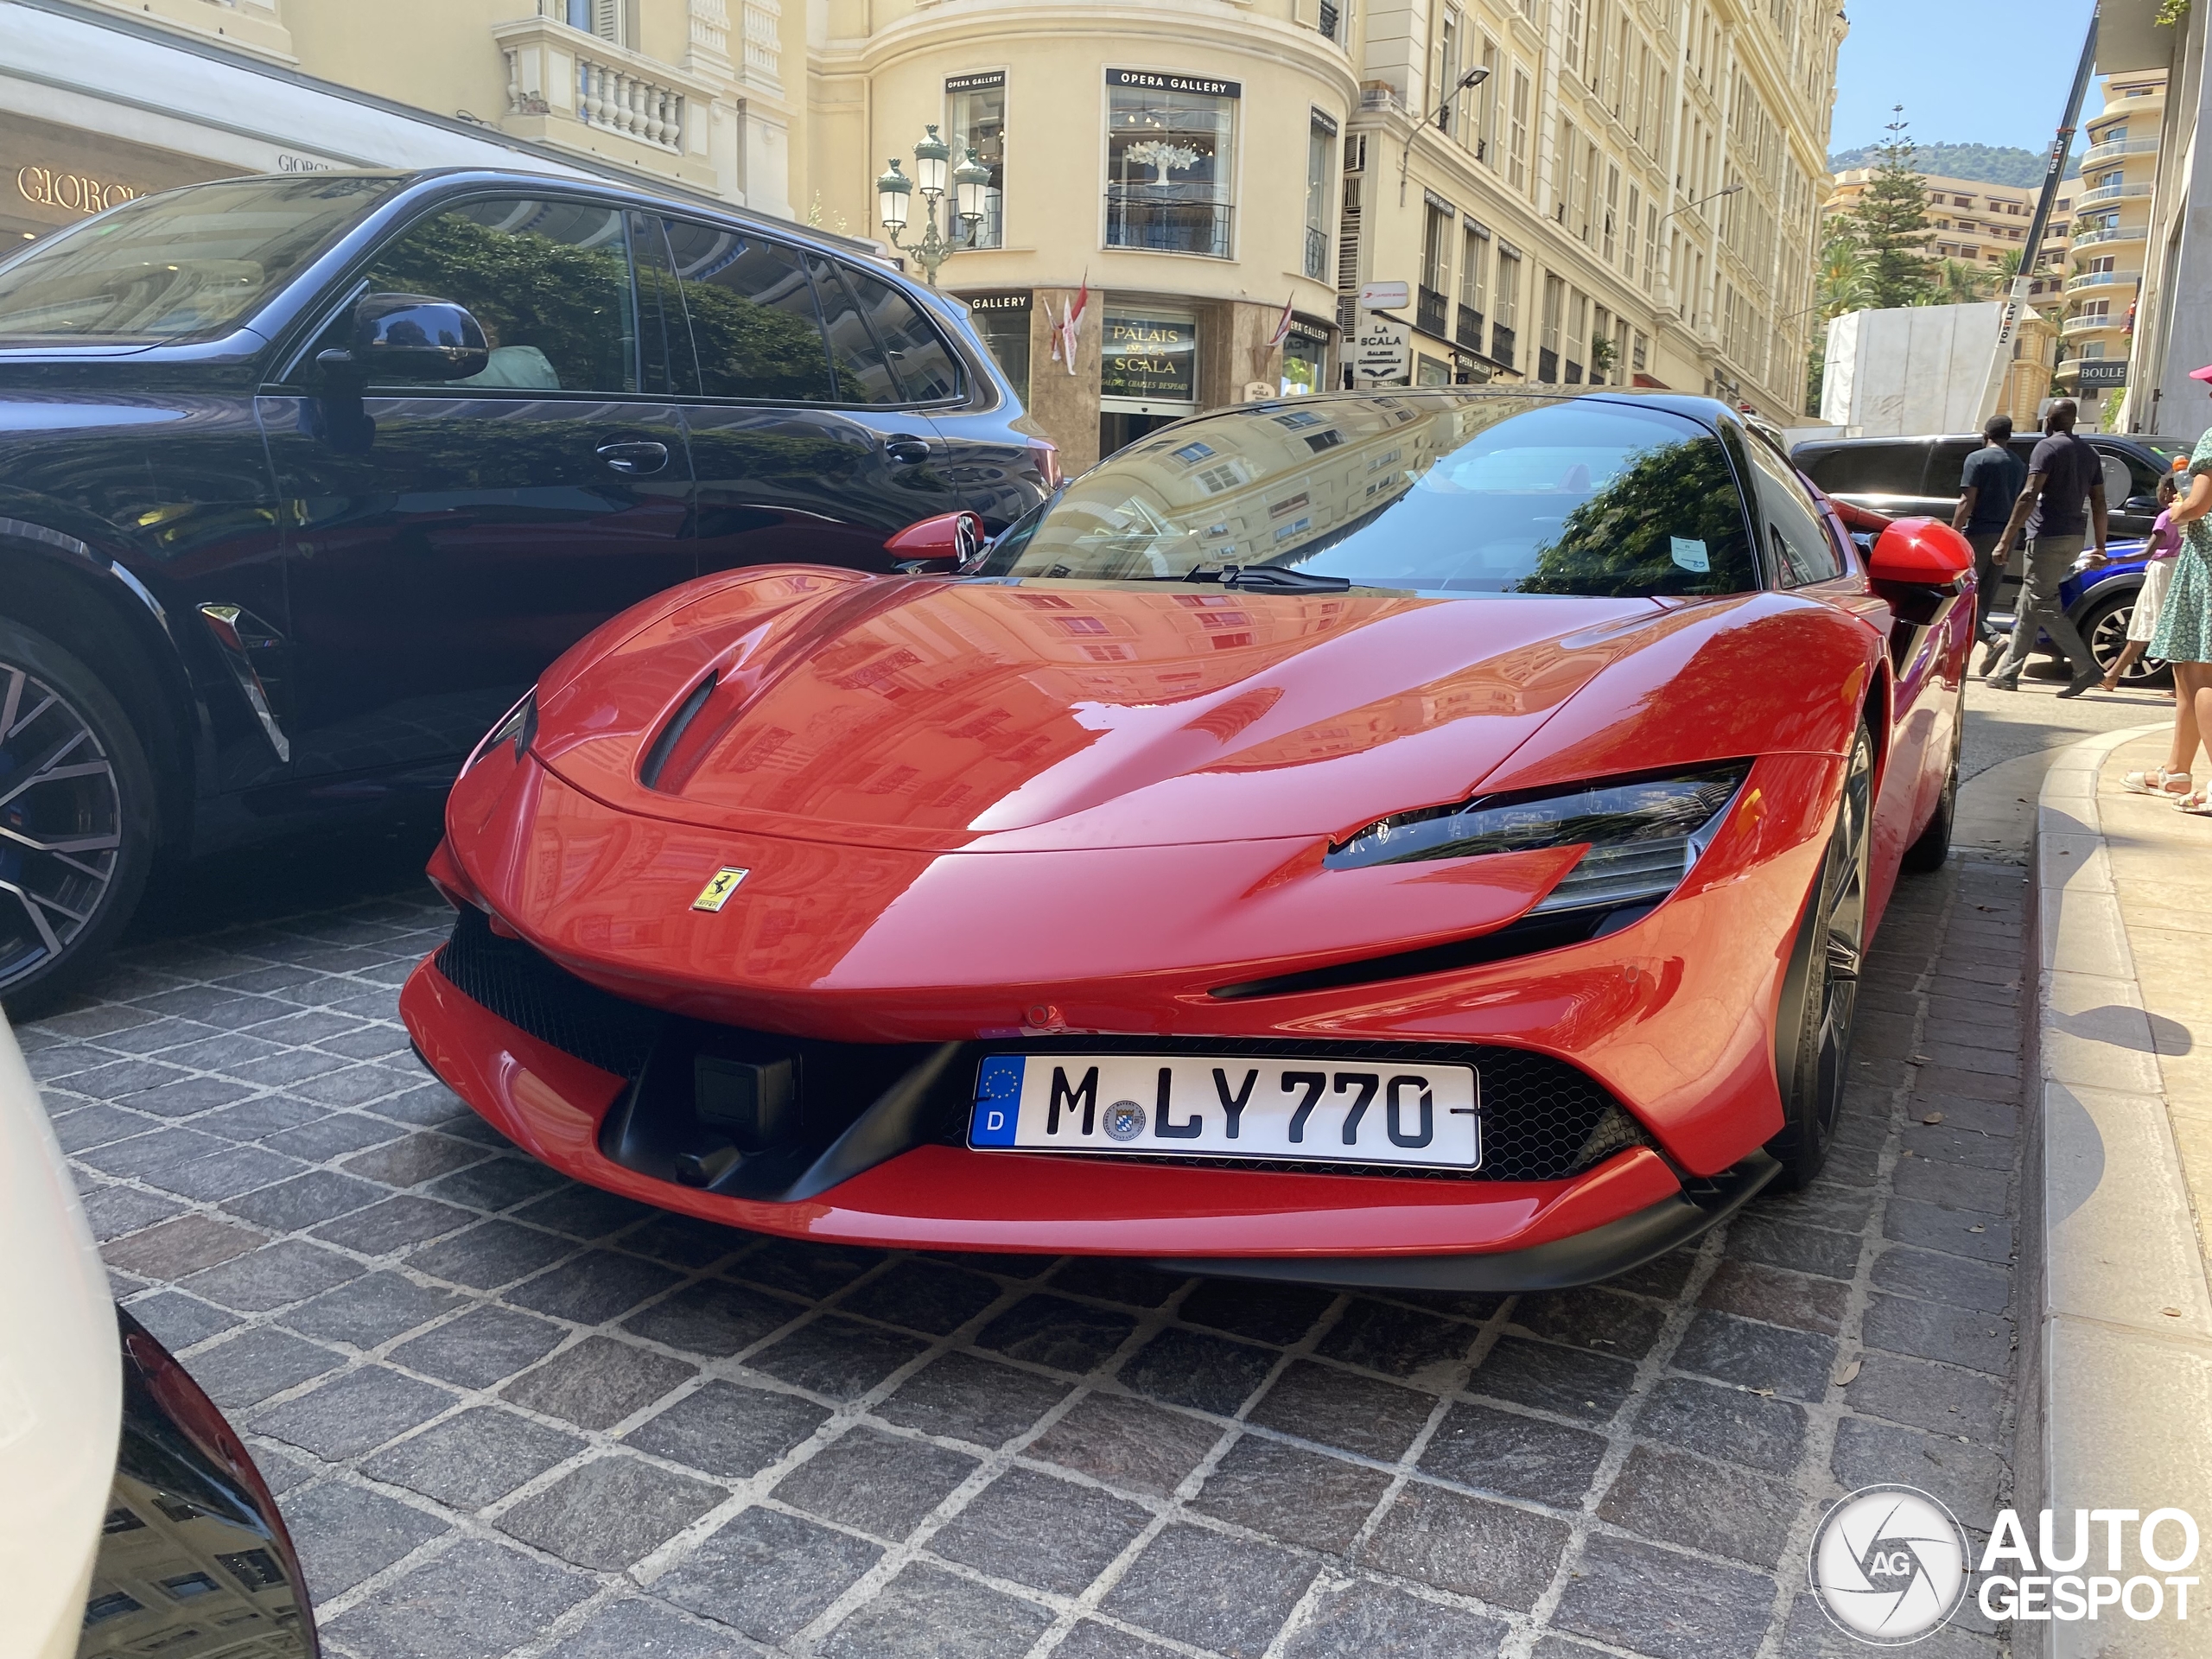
{"x":1321,"y":147}
{"x":1170,"y":156}
{"x":976,"y":120}
{"x":1577,"y":334}
{"x":1629,"y":231}
{"x":1574,"y":31}
{"x":1331,"y":19}
{"x":1639,"y":353}
{"x":1304,"y":356}
{"x":1448,"y":38}
{"x":1436,"y":267}
{"x":1474,"y":256}
{"x":611,"y":20}
{"x":1566,"y":157}
{"x":1506,"y":293}
{"x":1517,"y":141}
{"x":1601,"y":337}
{"x":1431,"y":371}
{"x":1486,"y":108}
{"x":1003,"y":321}
{"x":1650,"y":245}
{"x":1612,"y":212}
{"x":1547,"y":337}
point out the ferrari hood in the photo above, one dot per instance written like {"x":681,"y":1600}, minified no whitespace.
{"x":931,"y":715}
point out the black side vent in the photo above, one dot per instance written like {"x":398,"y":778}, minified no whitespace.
{"x":664,"y":745}
{"x":551,"y":1003}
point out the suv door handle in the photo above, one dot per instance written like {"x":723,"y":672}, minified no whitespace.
{"x":906,"y":449}
{"x":634,"y":458}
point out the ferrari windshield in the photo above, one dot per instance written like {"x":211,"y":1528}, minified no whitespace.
{"x":1472,"y":491}
{"x":187,"y":264}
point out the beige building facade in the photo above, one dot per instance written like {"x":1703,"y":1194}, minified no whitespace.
{"x":1629,"y":195}
{"x":2120,"y":172}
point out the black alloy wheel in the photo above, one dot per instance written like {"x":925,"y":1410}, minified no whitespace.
{"x":2104,"y":630}
{"x":1820,"y":993}
{"x":76,"y":819}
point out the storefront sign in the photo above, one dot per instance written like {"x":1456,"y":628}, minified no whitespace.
{"x":77,"y":193}
{"x":996,"y":302}
{"x":981,"y":81}
{"x":2104,"y":371}
{"x":1151,"y":359}
{"x":1204,"y":85}
{"x":1323,"y":120}
{"x":1382,"y":351}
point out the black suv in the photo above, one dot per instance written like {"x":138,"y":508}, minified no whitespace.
{"x":1909,"y":477}
{"x":304,"y":479}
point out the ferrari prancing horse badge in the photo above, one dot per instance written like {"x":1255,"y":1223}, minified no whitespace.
{"x":716,"y":892}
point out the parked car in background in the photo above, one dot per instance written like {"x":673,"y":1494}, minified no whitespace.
{"x":135,"y":1522}
{"x":1903,"y":477}
{"x":303,"y":478}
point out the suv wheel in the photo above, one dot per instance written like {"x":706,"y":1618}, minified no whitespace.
{"x":2104,"y":630}
{"x":76,"y":819}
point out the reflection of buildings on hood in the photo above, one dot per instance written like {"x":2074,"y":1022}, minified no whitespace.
{"x":180,"y":1581}
{"x":1218,"y":180}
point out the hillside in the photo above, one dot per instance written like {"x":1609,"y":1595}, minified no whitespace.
{"x":1990,"y":164}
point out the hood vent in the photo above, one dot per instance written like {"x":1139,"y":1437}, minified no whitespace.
{"x":664,"y":745}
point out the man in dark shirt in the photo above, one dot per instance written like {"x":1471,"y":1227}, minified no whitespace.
{"x":1988,"y":489}
{"x":2062,"y":506}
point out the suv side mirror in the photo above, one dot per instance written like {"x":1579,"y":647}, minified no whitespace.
{"x":954,"y":537}
{"x":1919,"y":553}
{"x":411,"y":337}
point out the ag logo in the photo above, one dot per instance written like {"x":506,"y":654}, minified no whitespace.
{"x":717,"y":891}
{"x":1124,"y":1119}
{"x":1890,"y":1565}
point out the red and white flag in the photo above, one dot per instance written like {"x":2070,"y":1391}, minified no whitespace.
{"x":1070,"y":328}
{"x":1283,"y":324}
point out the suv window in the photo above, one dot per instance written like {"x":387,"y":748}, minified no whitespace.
{"x":1869,"y":469}
{"x":182,"y":265}
{"x":548,"y":279}
{"x":926,"y":365}
{"x":2126,"y":473}
{"x":856,"y":358}
{"x":753,"y":315}
{"x":1799,"y":549}
{"x":1947,"y":468}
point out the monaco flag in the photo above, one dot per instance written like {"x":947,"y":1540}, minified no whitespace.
{"x":1069,"y":330}
{"x":1283,"y":324}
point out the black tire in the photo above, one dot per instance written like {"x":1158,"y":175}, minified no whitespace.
{"x":76,"y":820}
{"x":1820,"y":992}
{"x":2103,"y":627}
{"x":1928,"y":853}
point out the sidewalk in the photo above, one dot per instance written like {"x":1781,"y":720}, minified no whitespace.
{"x":2120,"y":1415}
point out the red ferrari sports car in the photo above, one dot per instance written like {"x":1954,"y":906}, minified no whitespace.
{"x":1419,"y":839}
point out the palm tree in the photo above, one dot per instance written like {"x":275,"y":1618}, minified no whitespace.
{"x":1956,"y":283}
{"x":1842,"y":283}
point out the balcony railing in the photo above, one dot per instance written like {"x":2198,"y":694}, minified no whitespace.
{"x":2098,"y":155}
{"x":2099,"y":278}
{"x":2118,"y":233}
{"x":1501,"y":343}
{"x":1429,"y":312}
{"x":1548,"y":366}
{"x":2090,"y":324}
{"x":1138,"y":218}
{"x":2104,"y":192}
{"x":1469,"y":332}
{"x":557,"y":76}
{"x":1316,"y":253}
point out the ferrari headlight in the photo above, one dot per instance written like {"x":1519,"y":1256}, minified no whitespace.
{"x":1643,"y":834}
{"x":517,"y":725}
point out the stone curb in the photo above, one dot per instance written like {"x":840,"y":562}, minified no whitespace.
{"x":2116,"y":1408}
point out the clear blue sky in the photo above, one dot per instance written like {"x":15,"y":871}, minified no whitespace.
{"x":1967,"y":72}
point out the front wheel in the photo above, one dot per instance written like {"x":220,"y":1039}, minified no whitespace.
{"x":1820,"y":993}
{"x":76,"y":819}
{"x":2104,"y":630}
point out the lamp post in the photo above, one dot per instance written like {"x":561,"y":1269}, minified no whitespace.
{"x":1725,"y":190}
{"x":1437,"y":117}
{"x":894,"y":194}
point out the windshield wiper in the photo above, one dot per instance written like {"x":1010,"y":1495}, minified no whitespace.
{"x":1280,"y":579}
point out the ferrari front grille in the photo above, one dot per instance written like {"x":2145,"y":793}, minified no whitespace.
{"x":534,"y":994}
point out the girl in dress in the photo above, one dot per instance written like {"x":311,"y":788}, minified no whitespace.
{"x":2183,"y":633}
{"x":2159,"y":551}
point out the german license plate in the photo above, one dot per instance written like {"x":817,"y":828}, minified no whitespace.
{"x":1200,"y":1106}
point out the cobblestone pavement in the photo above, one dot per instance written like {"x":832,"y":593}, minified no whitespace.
{"x":508,"y":1414}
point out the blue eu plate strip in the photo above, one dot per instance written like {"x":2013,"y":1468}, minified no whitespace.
{"x":998,"y":1097}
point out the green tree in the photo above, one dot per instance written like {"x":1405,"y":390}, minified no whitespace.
{"x":1890,"y":224}
{"x":1673,"y":506}
{"x":1955,"y":283}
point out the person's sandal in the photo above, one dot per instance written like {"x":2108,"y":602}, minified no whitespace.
{"x":2197,"y":804}
{"x":2157,"y":781}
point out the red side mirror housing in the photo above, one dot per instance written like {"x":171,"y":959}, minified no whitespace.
{"x":1920,"y":553}
{"x":951,"y":538}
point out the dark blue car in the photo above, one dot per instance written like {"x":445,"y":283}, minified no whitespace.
{"x":2099,"y":602}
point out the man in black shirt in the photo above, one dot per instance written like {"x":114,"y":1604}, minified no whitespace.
{"x":1989,"y":486}
{"x":2063,"y":505}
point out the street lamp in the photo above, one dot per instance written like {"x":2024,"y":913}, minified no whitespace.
{"x":1474,"y":77}
{"x":1725,"y":190}
{"x":933,"y":168}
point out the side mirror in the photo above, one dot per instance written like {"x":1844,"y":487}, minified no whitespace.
{"x":1920,"y":553}
{"x":2146,"y":505}
{"x":411,"y":337}
{"x":950,"y":537}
